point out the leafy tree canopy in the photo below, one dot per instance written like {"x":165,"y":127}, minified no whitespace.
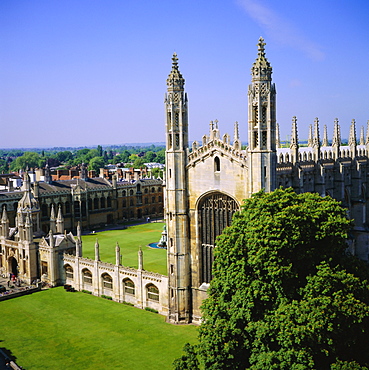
{"x":285,"y":295}
{"x":27,"y":160}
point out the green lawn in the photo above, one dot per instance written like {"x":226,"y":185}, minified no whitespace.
{"x":55,"y":329}
{"x":129,"y":241}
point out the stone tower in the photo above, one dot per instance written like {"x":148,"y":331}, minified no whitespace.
{"x":176,"y":196}
{"x":262,"y":125}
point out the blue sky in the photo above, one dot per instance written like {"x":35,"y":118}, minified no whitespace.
{"x":89,"y":72}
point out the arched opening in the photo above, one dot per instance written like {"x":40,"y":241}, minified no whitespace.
{"x":152,"y":293}
{"x":107,"y":281}
{"x":13,"y":266}
{"x":86,"y":277}
{"x":128,"y":286}
{"x":68,"y":272}
{"x":215,"y":212}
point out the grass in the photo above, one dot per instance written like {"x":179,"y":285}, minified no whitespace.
{"x":55,"y":329}
{"x":129,"y":241}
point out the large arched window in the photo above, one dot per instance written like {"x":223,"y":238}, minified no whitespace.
{"x":68,"y":271}
{"x":107,"y":281}
{"x":215,"y":212}
{"x":152,"y":293}
{"x":87,"y":276}
{"x":129,"y":286}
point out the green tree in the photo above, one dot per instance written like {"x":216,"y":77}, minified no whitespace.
{"x":160,"y":156}
{"x":96,"y":163}
{"x":188,"y":361}
{"x":138,"y":163}
{"x":149,"y":156}
{"x":284,"y":294}
{"x":27,"y":160}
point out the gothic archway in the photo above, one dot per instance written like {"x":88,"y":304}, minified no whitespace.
{"x":215,"y":212}
{"x":13,"y":266}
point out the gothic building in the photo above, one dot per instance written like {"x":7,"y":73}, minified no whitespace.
{"x":206,"y":183}
{"x":94,"y":202}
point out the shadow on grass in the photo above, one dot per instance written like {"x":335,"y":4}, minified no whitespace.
{"x":6,"y":356}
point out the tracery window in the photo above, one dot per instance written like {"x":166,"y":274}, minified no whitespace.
{"x":152,"y":292}
{"x":129,"y":286}
{"x":68,"y":272}
{"x":87,"y":276}
{"x":107,"y":281}
{"x":215,"y":212}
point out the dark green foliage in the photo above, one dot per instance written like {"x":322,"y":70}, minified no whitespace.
{"x":151,"y":310}
{"x":106,"y":297}
{"x":284,"y":294}
{"x":188,"y":361}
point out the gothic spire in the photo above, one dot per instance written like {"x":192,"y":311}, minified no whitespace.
{"x":52,"y":220}
{"x":236,"y":137}
{"x":175,"y":79}
{"x":294,"y":134}
{"x":117,"y":255}
{"x":60,"y":222}
{"x":97,"y":250}
{"x":261,"y":69}
{"x":325,"y":136}
{"x":310,"y":138}
{"x":336,"y":140}
{"x":352,"y":138}
{"x":362,"y":139}
{"x":367,"y":133}
{"x":316,"y":138}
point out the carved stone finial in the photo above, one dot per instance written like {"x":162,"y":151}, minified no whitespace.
{"x":175,"y":79}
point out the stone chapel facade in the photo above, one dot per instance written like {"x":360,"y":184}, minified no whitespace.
{"x":205,"y":184}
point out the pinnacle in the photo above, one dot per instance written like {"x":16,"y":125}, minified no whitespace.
{"x":175,"y":78}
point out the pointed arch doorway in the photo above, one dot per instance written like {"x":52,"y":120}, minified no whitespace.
{"x":13,"y":266}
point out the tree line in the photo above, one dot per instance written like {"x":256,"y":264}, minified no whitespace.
{"x":94,"y":158}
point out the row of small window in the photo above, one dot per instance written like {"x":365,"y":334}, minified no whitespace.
{"x":146,"y":191}
{"x":107,"y":282}
{"x":146,"y":201}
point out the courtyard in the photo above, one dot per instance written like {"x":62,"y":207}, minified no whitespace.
{"x":55,"y":329}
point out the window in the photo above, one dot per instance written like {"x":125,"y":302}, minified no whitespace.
{"x":146,"y":191}
{"x":124,"y":204}
{"x":87,"y":276}
{"x":152,"y":293}
{"x":96,"y":203}
{"x":43,"y":267}
{"x":216,"y":164}
{"x":131,"y":192}
{"x":107,"y":281}
{"x":109,"y":202}
{"x":129,"y":286}
{"x":102,"y":202}
{"x":146,"y":200}
{"x":44,"y":210}
{"x":153,"y":190}
{"x":68,"y":272}
{"x":124,"y":193}
{"x":160,"y":198}
{"x":67,"y":207}
{"x":153,"y":200}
